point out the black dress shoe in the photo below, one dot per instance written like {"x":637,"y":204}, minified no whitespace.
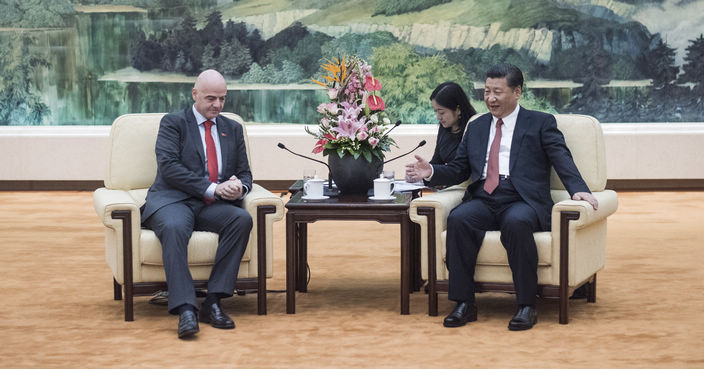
{"x":525,"y":318}
{"x":187,"y":324}
{"x":579,"y":293}
{"x":214,"y":315}
{"x":464,"y":312}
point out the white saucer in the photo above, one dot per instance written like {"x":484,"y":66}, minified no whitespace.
{"x":392,"y":197}
{"x":315,"y":198}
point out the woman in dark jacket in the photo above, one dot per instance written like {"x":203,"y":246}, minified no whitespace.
{"x":453,"y":110}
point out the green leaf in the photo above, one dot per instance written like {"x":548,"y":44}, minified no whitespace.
{"x":367,"y":155}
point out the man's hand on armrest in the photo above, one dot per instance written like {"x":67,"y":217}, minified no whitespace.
{"x":588,"y":197}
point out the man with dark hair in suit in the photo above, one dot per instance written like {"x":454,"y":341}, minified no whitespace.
{"x":507,"y":154}
{"x":202,"y":175}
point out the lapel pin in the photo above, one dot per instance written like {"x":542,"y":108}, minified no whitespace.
{"x":223,"y":134}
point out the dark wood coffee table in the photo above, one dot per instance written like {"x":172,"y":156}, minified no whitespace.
{"x":344,"y":207}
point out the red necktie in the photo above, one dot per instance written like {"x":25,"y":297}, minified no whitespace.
{"x":492,"y":169}
{"x":211,"y":156}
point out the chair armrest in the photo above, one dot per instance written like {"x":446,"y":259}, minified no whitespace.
{"x":106,"y":201}
{"x":260,"y":196}
{"x":442,"y":201}
{"x":608,"y":203}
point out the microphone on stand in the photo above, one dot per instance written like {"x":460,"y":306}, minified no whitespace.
{"x":416,"y":148}
{"x":280,"y":145}
{"x":398,"y":123}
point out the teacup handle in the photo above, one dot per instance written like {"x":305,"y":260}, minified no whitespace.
{"x":391,"y":188}
{"x":305,"y":188}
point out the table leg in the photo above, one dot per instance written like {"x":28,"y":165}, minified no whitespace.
{"x":416,"y":275}
{"x":291,"y":261}
{"x":405,"y":264}
{"x":302,"y":257}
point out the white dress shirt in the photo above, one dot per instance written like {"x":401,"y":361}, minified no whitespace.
{"x":505,"y":145}
{"x":200,"y":119}
{"x":506,"y":138}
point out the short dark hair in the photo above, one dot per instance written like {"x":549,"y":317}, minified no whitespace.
{"x":513,"y":75}
{"x":450,"y":95}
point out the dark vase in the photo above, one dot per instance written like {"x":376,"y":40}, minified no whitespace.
{"x":354,"y":176}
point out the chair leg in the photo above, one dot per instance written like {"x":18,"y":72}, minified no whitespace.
{"x":261,"y":256}
{"x":117,"y":290}
{"x":129,"y":308}
{"x":126,"y":217}
{"x":591,"y":290}
{"x":429,"y":213}
{"x":565,"y":217}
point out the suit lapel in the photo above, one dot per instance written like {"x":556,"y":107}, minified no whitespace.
{"x":479,"y":151}
{"x":522,"y":124}
{"x":194,"y":132}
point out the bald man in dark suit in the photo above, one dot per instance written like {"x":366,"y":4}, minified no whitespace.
{"x":203,"y":174}
{"x":507,"y":154}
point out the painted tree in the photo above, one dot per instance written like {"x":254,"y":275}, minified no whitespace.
{"x":235,"y":58}
{"x":214,"y":31}
{"x":18,"y":102}
{"x":209,"y":59}
{"x":148,"y":53}
{"x":659,"y":65}
{"x":596,"y":72}
{"x":408,"y":79}
{"x":187,"y":41}
{"x":693,"y":67}
{"x":36,"y":13}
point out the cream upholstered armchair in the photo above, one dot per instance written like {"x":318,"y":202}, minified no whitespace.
{"x":134,"y":253}
{"x":568,"y":256}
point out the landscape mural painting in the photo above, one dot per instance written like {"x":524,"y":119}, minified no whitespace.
{"x":85,"y":62}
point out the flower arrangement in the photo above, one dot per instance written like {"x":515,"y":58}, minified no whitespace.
{"x":354,"y":122}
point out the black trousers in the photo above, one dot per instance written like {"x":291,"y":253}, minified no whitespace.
{"x":174,"y":224}
{"x":505,"y":211}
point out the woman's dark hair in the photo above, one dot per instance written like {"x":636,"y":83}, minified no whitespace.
{"x":450,"y":95}
{"x":513,"y":75}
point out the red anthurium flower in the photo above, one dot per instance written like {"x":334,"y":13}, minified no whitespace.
{"x":375,"y":103}
{"x":372,"y":84}
{"x":319,"y":146}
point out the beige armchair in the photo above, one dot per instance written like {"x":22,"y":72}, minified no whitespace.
{"x":568,"y":256}
{"x":134,"y":253}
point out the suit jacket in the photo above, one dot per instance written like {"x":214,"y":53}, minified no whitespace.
{"x":181,"y":168}
{"x":537,"y":145}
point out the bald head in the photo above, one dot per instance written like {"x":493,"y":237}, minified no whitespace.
{"x":209,"y":77}
{"x":209,"y":93}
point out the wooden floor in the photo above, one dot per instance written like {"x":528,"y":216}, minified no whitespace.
{"x":57,"y":309}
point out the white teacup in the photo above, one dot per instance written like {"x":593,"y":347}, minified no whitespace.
{"x":313,"y":188}
{"x":383,"y":188}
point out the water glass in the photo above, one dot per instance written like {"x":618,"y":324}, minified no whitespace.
{"x":389,"y":174}
{"x":308,"y":174}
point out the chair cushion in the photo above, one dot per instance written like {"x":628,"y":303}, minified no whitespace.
{"x":492,"y":251}
{"x":201,"y":249}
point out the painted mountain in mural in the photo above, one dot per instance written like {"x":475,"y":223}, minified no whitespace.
{"x":85,"y":62}
{"x":539,"y":28}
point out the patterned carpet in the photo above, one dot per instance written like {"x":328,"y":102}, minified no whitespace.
{"x":58,"y":312}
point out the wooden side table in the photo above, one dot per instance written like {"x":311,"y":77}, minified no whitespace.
{"x":301,"y":212}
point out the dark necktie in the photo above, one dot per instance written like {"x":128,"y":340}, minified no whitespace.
{"x":211,"y":156}
{"x":492,"y":169}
